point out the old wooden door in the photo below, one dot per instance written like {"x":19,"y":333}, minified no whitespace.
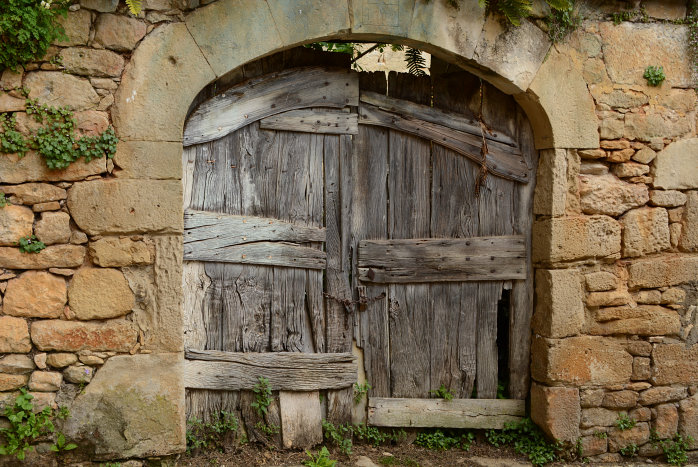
{"x":325,"y":207}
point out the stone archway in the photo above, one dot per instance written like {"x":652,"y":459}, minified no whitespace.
{"x":177,"y":60}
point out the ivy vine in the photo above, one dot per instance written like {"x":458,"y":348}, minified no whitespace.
{"x":56,"y":140}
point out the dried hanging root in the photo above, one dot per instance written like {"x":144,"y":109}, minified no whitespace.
{"x":484,"y":151}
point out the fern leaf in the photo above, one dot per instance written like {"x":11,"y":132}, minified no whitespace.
{"x":561,"y":5}
{"x":415,"y":62}
{"x":134,"y":6}
{"x":483,"y":3}
{"x":515,"y":10}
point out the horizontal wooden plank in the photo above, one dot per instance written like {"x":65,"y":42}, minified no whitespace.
{"x":446,"y":118}
{"x":263,"y":253}
{"x":268,"y":95}
{"x":442,"y":259}
{"x":313,"y":121}
{"x":286,"y":371}
{"x":218,"y":230}
{"x":502,"y":160}
{"x":456,"y":413}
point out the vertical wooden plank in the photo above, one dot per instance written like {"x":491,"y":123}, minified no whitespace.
{"x":301,"y":419}
{"x":522,"y":291}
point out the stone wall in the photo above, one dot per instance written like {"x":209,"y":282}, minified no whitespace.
{"x":94,"y":320}
{"x":616,"y":288}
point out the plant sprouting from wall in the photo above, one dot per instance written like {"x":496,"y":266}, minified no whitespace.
{"x":30,"y":244}
{"x":514,"y":11}
{"x":654,"y":75}
{"x":562,"y":22}
{"x":134,"y":6}
{"x":263,"y":398}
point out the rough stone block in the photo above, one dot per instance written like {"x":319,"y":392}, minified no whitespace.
{"x":550,"y":197}
{"x":35,"y":294}
{"x":689,"y":232}
{"x":675,"y":364}
{"x":119,"y":252}
{"x":641,"y":369}
{"x":71,"y":336}
{"x":35,"y":193}
{"x":61,"y":89}
{"x":667,"y":422}
{"x":127,"y":206}
{"x":78,"y":374}
{"x":14,"y":335}
{"x":77,"y":27}
{"x":53,"y":227}
{"x":667,"y":198}
{"x":104,"y":6}
{"x":661,"y":394}
{"x":559,"y":306}
{"x":620,"y":400}
{"x":45,"y":381}
{"x":593,"y":445}
{"x":12,"y":382}
{"x":662,"y":271}
{"x":688,"y":419}
{"x":55,"y":256}
{"x":11,"y":104}
{"x":92,"y":62}
{"x":556,"y":410}
{"x":60,"y":360}
{"x":142,"y":395}
{"x":574,"y":238}
{"x":675,"y":166}
{"x":610,"y":298}
{"x":15,"y":222}
{"x":598,"y":417}
{"x":630,"y":169}
{"x":618,"y":439}
{"x":117,"y":32}
{"x":644,"y":320}
{"x":15,"y":364}
{"x":645,"y":231}
{"x":579,"y":361}
{"x":97,"y":293}
{"x":591,"y":397}
{"x":639,"y":348}
{"x":601,"y":281}
{"x":33,"y":168}
{"x":148,"y":159}
{"x":644,"y":156}
{"x":329,"y":18}
{"x":606,"y":194}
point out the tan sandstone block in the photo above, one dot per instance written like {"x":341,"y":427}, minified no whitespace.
{"x":641,"y":369}
{"x":675,"y":364}
{"x":665,"y":9}
{"x":14,"y":335}
{"x":557,"y":411}
{"x":32,"y":167}
{"x":574,"y":238}
{"x":610,"y":298}
{"x":675,"y":166}
{"x":60,"y":360}
{"x":620,"y":400}
{"x":656,"y":123}
{"x":55,"y":256}
{"x":91,"y":122}
{"x":127,"y":206}
{"x":45,"y":381}
{"x":689,"y":232}
{"x":112,"y":335}
{"x":148,"y":159}
{"x":97,"y":293}
{"x":606,"y":194}
{"x":645,"y":231}
{"x":16,"y":364}
{"x":35,"y":294}
{"x":559,"y":306}
{"x":663,"y":271}
{"x":550,"y":197}
{"x":666,"y":424}
{"x":597,"y":416}
{"x":118,"y":252}
{"x":166,"y":72}
{"x":643,"y":320}
{"x":78,"y":374}
{"x":12,"y":382}
{"x":53,"y":227}
{"x":117,"y":32}
{"x":667,"y":198}
{"x":630,"y":169}
{"x":618,"y":439}
{"x":662,"y":394}
{"x":601,"y":281}
{"x":61,"y":89}
{"x":77,"y":27}
{"x":11,"y":104}
{"x":92,"y":62}
{"x":593,"y":445}
{"x":644,"y":156}
{"x":35,"y":193}
{"x":15,"y":222}
{"x":688,"y":419}
{"x":331,"y":17}
{"x":100,"y":5}
{"x":580,"y":361}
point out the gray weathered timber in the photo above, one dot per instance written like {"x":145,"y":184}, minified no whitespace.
{"x":301,"y":419}
{"x":442,"y":259}
{"x":220,"y":230}
{"x":502,"y":160}
{"x":313,"y":121}
{"x":289,"y":371}
{"x":269,"y":95}
{"x":266,"y":253}
{"x":452,"y":120}
{"x":456,"y":413}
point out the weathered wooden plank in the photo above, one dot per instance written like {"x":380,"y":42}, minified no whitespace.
{"x":442,"y":260}
{"x":263,"y":253}
{"x":289,"y":371}
{"x":269,"y":95}
{"x":217,"y":230}
{"x":301,"y":419}
{"x":453,"y":120}
{"x":313,"y":121}
{"x":502,"y":160}
{"x":456,"y":413}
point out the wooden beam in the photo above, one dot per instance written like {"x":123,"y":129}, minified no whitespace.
{"x":269,"y":95}
{"x":313,"y":121}
{"x":442,"y":259}
{"x":264,"y":253}
{"x":502,"y":160}
{"x":286,"y":371}
{"x":456,"y":413}
{"x":452,"y":120}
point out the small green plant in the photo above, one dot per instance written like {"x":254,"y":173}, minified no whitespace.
{"x":268,"y":430}
{"x":440,"y":441}
{"x":528,"y":440}
{"x":674,"y":449}
{"x":322,"y":459}
{"x":26,"y":426}
{"x":27,"y":29}
{"x":624,"y":422}
{"x":263,"y":396}
{"x":360,"y":390}
{"x":654,"y":75}
{"x":61,"y":444}
{"x":562,"y":22}
{"x":442,"y":393}
{"x":3,"y":201}
{"x":210,"y":435}
{"x":630,"y":450}
{"x":342,"y":435}
{"x":601,"y":434}
{"x":30,"y":244}
{"x":111,"y":464}
{"x":339,"y":435}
